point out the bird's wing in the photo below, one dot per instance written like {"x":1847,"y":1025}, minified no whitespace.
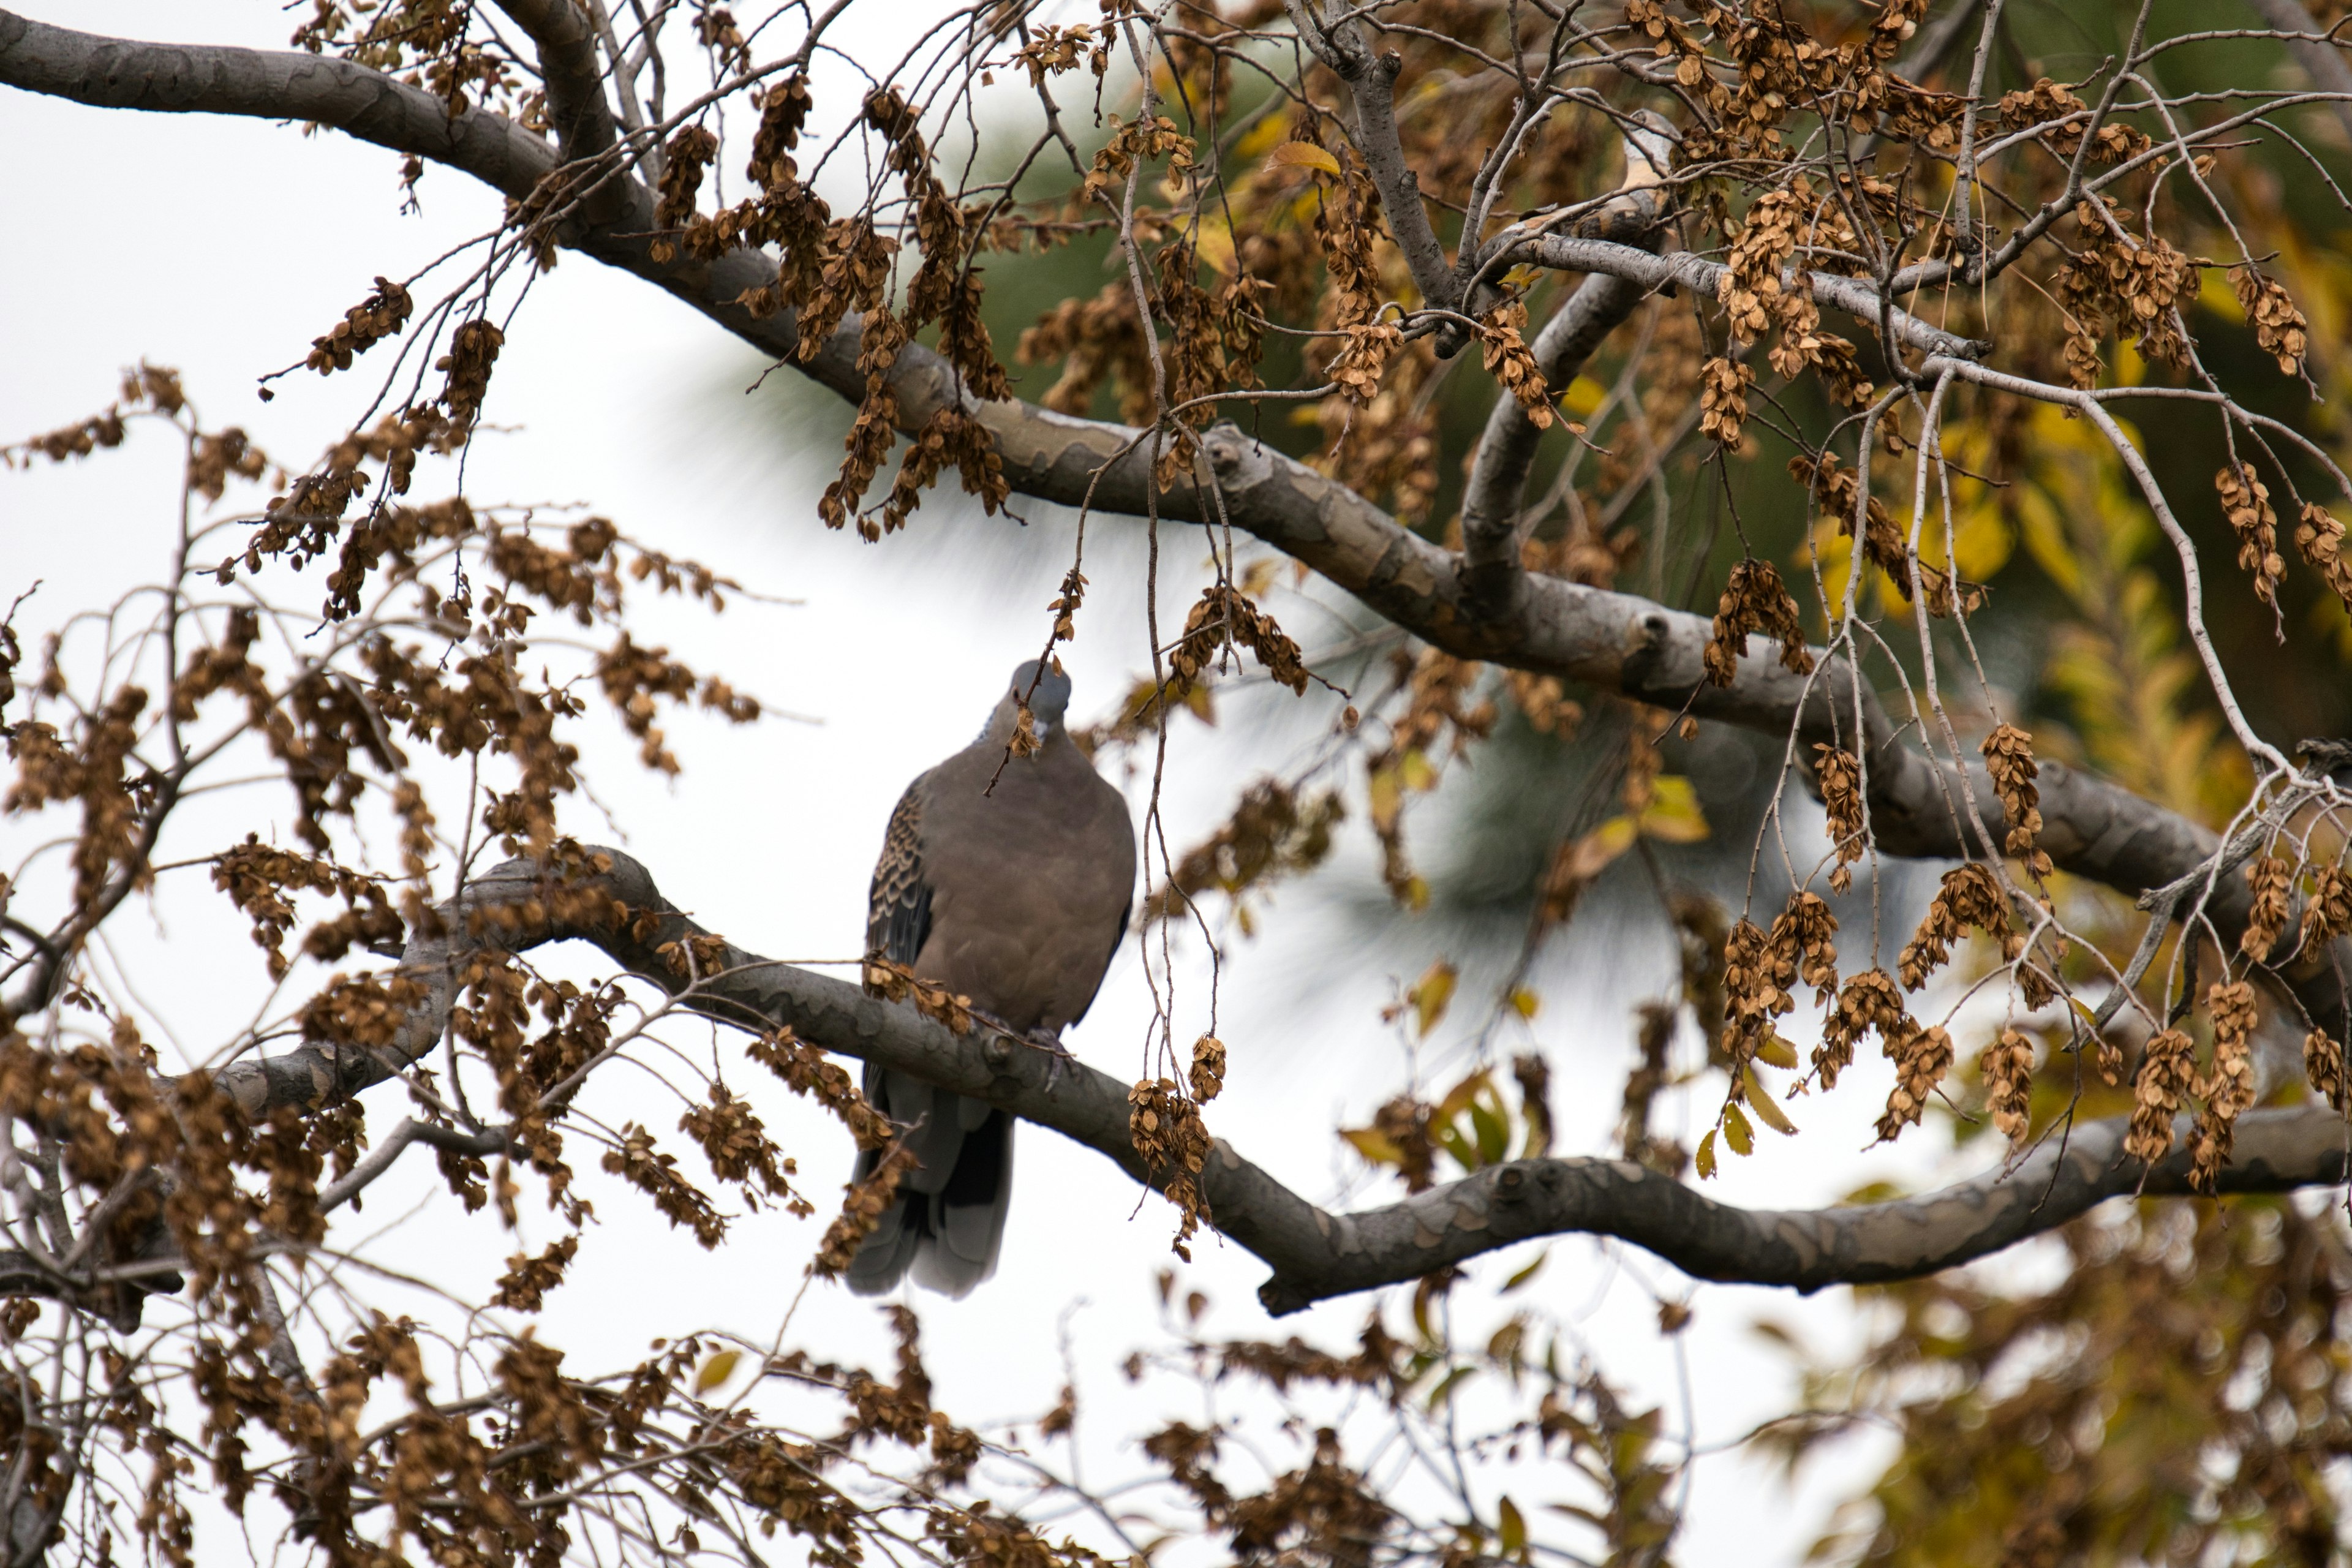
{"x":1118,"y":935}
{"x":899,"y":901}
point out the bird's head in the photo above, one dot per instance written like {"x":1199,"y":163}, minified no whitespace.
{"x":1049,"y":704}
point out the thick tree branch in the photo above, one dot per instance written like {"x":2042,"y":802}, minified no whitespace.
{"x":576,"y":106}
{"x":205,"y":79}
{"x":1315,"y":1255}
{"x":1615,"y":642}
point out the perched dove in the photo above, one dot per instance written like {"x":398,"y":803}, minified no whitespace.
{"x":1015,"y":896}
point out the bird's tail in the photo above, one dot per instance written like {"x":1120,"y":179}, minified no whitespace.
{"x":947,"y":1224}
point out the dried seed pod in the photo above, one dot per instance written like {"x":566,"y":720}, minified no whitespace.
{"x":1755,"y":600}
{"x":2246,"y":503}
{"x":2278,"y":325}
{"x":2271,"y":877}
{"x":1723,"y":399}
{"x":1921,"y":1058}
{"x":2167,"y":1070}
{"x":1869,"y":1001}
{"x":2323,"y":1063}
{"x":2006,"y":1066}
{"x":2009,"y":758}
{"x":1841,"y":780}
{"x":2229,"y":1088}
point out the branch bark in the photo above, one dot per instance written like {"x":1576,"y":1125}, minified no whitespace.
{"x":1492,"y":531}
{"x":615,"y":905}
{"x":1370,"y":80}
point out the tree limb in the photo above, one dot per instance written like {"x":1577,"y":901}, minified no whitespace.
{"x":566,"y":42}
{"x":1615,"y":642}
{"x":1314,"y":1254}
{"x":1491,"y":526}
{"x":1370,"y":80}
{"x":1491,"y":530}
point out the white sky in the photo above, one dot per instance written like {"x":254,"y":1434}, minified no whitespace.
{"x":222,"y":247}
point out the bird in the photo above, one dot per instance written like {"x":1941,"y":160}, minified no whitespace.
{"x":1008,"y":879}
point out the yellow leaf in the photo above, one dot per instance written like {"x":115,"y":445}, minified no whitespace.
{"x":1418,"y":775}
{"x":1778,"y":1053}
{"x":1212,"y":242}
{"x":1765,"y":1108}
{"x":1387,"y":798}
{"x":1673,"y":815}
{"x":2213,"y":292}
{"x":1704,"y":1160}
{"x":1431,"y":992}
{"x":1593,"y":852}
{"x":1736,"y":1132}
{"x":2045,"y":538}
{"x":1583,"y":397}
{"x":1302,"y":156}
{"x":1525,"y":1002}
{"x":1981,"y":546}
{"x":1373,"y":1144}
{"x":1459,"y":1097}
{"x":716,"y":1371}
{"x":1264,"y":136}
{"x":2130,"y":368}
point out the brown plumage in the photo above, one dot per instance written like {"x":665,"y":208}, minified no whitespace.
{"x":1016,"y":896}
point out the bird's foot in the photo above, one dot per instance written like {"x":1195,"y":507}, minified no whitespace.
{"x":1057,"y":1055}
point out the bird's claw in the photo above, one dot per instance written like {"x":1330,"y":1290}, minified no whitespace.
{"x":1058,"y":1055}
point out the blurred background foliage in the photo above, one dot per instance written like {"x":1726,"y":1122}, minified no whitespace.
{"x":2177,"y":1395}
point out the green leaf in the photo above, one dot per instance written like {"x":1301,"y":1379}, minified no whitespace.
{"x":1704,"y":1160}
{"x":1446,"y":1385}
{"x":1494,"y":1136}
{"x":1460,"y":1097}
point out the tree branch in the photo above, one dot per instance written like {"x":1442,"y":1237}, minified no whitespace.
{"x":1491,"y":525}
{"x":1370,"y":80}
{"x":1492,"y":529}
{"x":1855,"y":297}
{"x":1615,"y":642}
{"x":566,"y":42}
{"x":1314,"y":1254}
